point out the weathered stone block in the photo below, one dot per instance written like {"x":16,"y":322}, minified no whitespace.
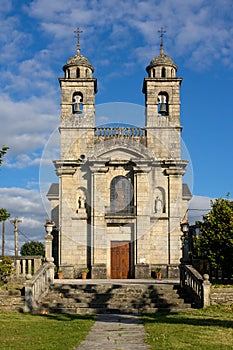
{"x":142,"y":271}
{"x":99,"y":271}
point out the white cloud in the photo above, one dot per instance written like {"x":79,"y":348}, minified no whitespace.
{"x":29,"y":124}
{"x":198,"y":206}
{"x":20,"y":201}
{"x":199,"y":29}
{"x":26,"y":205}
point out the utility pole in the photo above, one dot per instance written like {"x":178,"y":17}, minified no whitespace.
{"x":3,"y":238}
{"x":4,"y":215}
{"x":16,"y":221}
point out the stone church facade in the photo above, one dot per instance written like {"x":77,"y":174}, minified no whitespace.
{"x":120,"y":198}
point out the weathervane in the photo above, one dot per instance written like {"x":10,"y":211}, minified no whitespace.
{"x":162,"y":32}
{"x":77,"y":32}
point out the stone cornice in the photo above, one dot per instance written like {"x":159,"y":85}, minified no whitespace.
{"x":66,"y":167}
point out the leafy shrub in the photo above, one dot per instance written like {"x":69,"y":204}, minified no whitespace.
{"x":32,"y":248}
{"x":6,"y":267}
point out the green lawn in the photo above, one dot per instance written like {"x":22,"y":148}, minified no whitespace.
{"x":42,"y":332}
{"x":209,"y":329}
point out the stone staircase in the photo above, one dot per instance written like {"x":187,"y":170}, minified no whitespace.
{"x":133,"y":298}
{"x":11,"y":300}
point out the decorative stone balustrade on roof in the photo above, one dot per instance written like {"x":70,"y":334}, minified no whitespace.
{"x":107,"y":132}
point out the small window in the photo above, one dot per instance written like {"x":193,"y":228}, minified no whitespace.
{"x":78,"y":73}
{"x":121,"y":195}
{"x":163,"y":74}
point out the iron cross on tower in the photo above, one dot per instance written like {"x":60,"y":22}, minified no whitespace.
{"x":162,"y":32}
{"x":77,"y":32}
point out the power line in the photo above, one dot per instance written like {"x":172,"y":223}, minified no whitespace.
{"x":22,"y":233}
{"x":15,"y":222}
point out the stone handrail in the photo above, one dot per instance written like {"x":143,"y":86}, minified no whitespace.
{"x":193,"y":281}
{"x":38,"y":285}
{"x":27,"y":265}
{"x":119,"y":132}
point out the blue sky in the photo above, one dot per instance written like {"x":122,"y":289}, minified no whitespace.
{"x":119,"y":38}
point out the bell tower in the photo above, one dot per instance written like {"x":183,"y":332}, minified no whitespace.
{"x":162,"y":90}
{"x":78,"y":89}
{"x":162,"y":101}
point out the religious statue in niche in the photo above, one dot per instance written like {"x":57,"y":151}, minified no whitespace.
{"x":158,"y":205}
{"x":81,"y":202}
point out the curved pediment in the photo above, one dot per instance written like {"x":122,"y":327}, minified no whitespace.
{"x":123,"y":149}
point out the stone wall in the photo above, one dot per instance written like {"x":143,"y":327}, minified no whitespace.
{"x":221,"y":296}
{"x":11,"y":300}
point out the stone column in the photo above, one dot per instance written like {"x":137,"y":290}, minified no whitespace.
{"x":48,"y":241}
{"x":206,"y":290}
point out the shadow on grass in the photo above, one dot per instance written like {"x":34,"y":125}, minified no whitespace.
{"x":67,"y":317}
{"x":187,"y":319}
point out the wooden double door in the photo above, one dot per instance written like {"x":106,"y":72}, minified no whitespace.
{"x":121,"y":259}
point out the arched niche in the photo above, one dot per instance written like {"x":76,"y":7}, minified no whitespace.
{"x":159,"y":200}
{"x":81,"y":198}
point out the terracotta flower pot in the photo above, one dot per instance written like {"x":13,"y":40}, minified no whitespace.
{"x":84,"y":275}
{"x":60,"y":275}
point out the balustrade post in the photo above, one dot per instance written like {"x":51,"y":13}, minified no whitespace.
{"x":206,"y":290}
{"x":24,"y":267}
{"x":18,"y":267}
{"x":48,"y":241}
{"x":182,"y":273}
{"x":29,"y":266}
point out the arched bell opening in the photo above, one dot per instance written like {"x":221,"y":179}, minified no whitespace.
{"x":163,"y":73}
{"x":163,"y":103}
{"x":67,"y":73}
{"x":77,"y":102}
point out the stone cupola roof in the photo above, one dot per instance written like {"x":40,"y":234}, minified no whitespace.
{"x":161,"y":60}
{"x":78,"y":60}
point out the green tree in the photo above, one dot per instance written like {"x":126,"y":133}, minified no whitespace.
{"x":32,"y":248}
{"x":216,"y":236}
{"x":3,"y":152}
{"x":4,"y":215}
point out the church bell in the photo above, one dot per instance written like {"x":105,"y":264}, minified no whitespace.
{"x":163,"y":109}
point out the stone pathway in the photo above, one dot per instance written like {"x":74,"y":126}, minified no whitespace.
{"x":115,"y":332}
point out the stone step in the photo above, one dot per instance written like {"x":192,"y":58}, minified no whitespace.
{"x":111,"y":298}
{"x":11,"y":302}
